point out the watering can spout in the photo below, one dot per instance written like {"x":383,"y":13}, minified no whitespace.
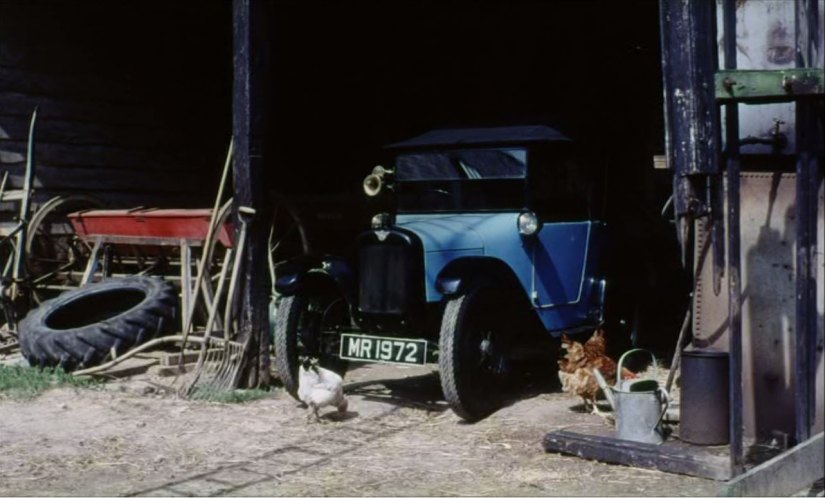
{"x":605,"y":388}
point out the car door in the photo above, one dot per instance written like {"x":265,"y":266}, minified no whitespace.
{"x":559,"y":261}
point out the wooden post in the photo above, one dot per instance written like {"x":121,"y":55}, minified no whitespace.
{"x":808,"y":178}
{"x":248,"y":128}
{"x":691,"y":123}
{"x":785,"y":474}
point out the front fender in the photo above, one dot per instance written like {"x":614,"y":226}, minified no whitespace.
{"x":315,"y":274}
{"x":456,"y":277}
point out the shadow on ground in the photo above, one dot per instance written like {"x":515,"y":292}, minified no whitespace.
{"x":423,"y":391}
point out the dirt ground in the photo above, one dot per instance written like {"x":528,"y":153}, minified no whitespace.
{"x":398,"y":438}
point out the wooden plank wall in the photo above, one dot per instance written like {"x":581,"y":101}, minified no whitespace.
{"x":133,"y":97}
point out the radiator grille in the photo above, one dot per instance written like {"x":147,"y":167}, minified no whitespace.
{"x":384,"y":278}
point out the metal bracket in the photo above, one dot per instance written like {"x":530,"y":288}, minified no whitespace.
{"x":768,"y":85}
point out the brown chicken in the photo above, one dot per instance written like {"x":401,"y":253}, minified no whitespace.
{"x":577,"y":365}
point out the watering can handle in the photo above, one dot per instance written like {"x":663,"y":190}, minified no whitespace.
{"x":619,"y":365}
{"x":665,"y":407}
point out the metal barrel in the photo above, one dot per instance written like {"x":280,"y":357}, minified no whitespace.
{"x":704,"y":404}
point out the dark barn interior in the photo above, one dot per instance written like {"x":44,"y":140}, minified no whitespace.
{"x":349,"y":77}
{"x":135,"y":104}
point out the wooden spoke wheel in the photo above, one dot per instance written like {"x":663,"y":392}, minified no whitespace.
{"x":55,"y":255}
{"x":287,"y":235}
{"x":286,"y":239}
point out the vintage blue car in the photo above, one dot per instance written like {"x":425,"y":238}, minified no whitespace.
{"x":484,"y":234}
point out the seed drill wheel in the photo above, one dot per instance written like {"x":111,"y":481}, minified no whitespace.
{"x":287,"y":235}
{"x":55,"y":256}
{"x":286,"y":239}
{"x":8,"y":309}
{"x":215,"y":251}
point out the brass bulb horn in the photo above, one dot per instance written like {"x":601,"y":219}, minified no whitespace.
{"x":375,"y":181}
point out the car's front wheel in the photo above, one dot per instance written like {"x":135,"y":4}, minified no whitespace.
{"x":473,"y":361}
{"x":303,"y":325}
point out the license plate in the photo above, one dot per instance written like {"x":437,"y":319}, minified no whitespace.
{"x":383,"y":349}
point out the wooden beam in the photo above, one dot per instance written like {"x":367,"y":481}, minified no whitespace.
{"x":20,"y":104}
{"x":808,"y":178}
{"x":688,"y":55}
{"x":190,"y":356}
{"x":103,"y":179}
{"x":248,"y":124}
{"x":94,"y":156}
{"x":132,"y":367}
{"x":56,"y":130}
{"x":785,"y":474}
{"x":693,"y":461}
{"x":737,"y":453}
{"x":688,"y":59}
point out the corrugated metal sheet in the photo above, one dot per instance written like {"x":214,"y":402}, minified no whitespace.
{"x":768,"y":301}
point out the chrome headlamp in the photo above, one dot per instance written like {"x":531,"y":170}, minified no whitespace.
{"x":381,"y":220}
{"x":528,"y":223}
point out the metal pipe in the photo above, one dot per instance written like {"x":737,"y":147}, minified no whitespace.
{"x":734,"y":256}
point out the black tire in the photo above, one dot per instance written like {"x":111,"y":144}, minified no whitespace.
{"x":285,"y":341}
{"x":473,"y":373}
{"x":79,"y":328}
{"x":299,"y":322}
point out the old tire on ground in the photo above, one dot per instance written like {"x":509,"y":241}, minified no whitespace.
{"x":300,"y":322}
{"x":80,"y":328}
{"x":473,"y":361}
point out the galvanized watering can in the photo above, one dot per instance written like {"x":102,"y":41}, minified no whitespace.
{"x":639,"y":404}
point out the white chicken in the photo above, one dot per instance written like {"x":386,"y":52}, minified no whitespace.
{"x":319,"y":387}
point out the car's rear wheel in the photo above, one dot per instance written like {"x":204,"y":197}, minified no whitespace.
{"x":303,"y":328}
{"x":473,"y":361}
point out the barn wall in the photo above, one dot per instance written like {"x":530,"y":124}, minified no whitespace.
{"x":133,"y":98}
{"x":765,"y":36}
{"x":765,"y":39}
{"x":768,"y":302}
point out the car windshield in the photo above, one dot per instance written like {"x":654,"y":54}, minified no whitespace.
{"x":491,"y":179}
{"x":472,"y":164}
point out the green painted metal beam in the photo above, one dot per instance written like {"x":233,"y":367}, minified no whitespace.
{"x":768,"y":86}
